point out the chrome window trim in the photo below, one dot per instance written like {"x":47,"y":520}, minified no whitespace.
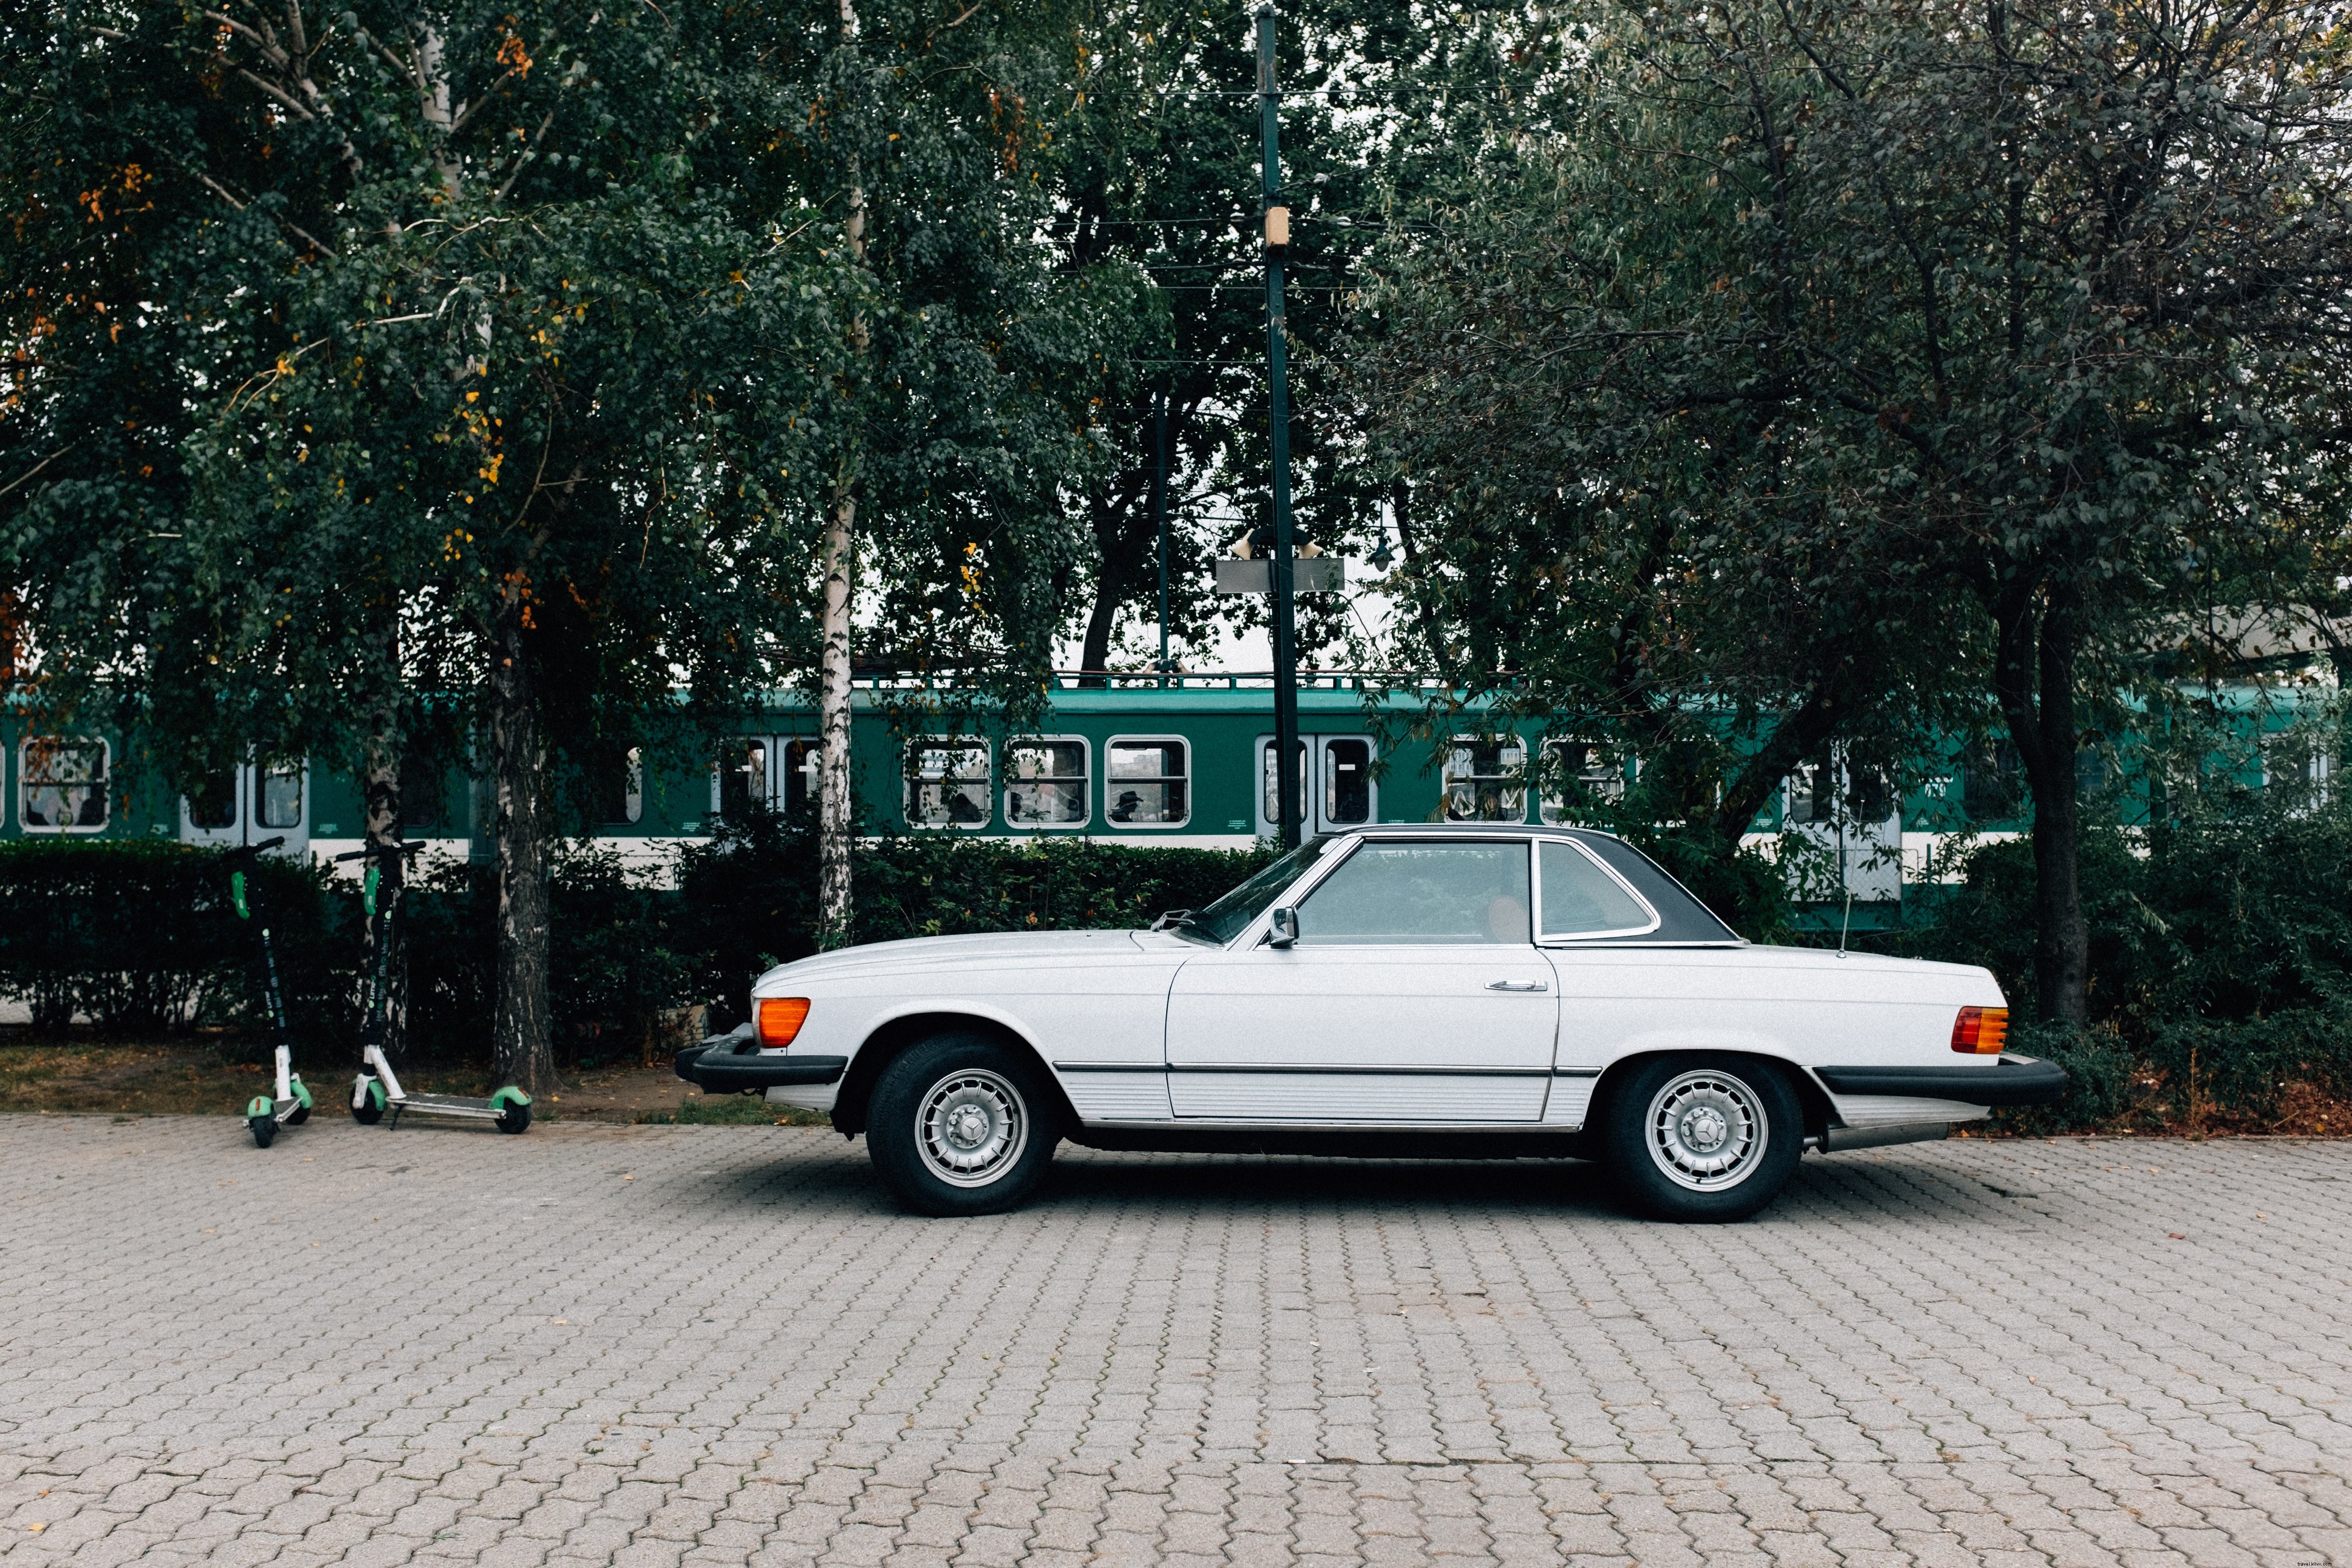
{"x":24,"y":783}
{"x":1503,"y":833}
{"x":1085,"y":781}
{"x":1184,"y":740}
{"x":914,"y":780}
{"x":1569,"y":939}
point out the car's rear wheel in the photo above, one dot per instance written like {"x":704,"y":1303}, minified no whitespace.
{"x":962,"y":1125}
{"x":1697,"y":1138}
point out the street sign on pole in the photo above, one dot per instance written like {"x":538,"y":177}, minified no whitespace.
{"x":1277,"y":415}
{"x":1314,"y":574}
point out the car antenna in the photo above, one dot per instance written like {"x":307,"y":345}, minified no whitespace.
{"x":1847,"y":924}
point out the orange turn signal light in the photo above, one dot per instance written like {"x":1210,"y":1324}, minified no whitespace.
{"x":780,"y":1018}
{"x":1976,"y":1032}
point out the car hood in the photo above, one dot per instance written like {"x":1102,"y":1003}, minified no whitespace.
{"x":994,"y":951}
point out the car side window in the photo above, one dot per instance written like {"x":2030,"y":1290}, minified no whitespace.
{"x":1420,"y":894}
{"x":1581,"y":898}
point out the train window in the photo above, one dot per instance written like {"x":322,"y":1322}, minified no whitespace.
{"x":1046,"y":782}
{"x":1993,"y":781}
{"x":1813,"y":793}
{"x":424,"y":784}
{"x":213,"y":806}
{"x":1147,"y":782}
{"x":620,"y":788}
{"x":947,"y":783}
{"x":742,"y":778}
{"x":1347,"y":782}
{"x":277,"y":796}
{"x":1578,"y":777}
{"x":64,"y":783}
{"x":803,"y":762}
{"x":1483,"y":780}
{"x":1273,"y":804}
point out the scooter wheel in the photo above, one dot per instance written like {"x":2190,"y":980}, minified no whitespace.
{"x":265,"y":1130}
{"x":370,"y":1110}
{"x":514,"y":1118}
{"x":301,"y":1114}
{"x":301,"y":1104}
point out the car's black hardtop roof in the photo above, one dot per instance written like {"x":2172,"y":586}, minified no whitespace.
{"x":1681,"y":917}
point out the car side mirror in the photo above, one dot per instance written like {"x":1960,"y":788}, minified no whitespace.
{"x":1285,"y":928}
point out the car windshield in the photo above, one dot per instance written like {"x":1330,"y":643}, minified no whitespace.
{"x":1225,"y":920}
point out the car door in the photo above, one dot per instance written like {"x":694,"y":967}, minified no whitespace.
{"x":1611,"y":998}
{"x":1414,"y":993}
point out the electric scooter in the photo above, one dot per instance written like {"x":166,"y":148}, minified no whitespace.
{"x":290,"y":1107}
{"x":377,"y":1087}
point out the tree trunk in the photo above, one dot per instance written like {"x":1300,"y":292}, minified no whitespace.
{"x":1094,"y":651}
{"x":2035,"y":681}
{"x":836,"y":817}
{"x":383,"y":787}
{"x":522,"y":1049}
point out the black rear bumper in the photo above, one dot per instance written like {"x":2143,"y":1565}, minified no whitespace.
{"x":2012,"y":1081}
{"x":731,"y":1064}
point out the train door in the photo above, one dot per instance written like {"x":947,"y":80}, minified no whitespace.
{"x":1335,"y":781}
{"x":1853,"y":824}
{"x":248,"y":803}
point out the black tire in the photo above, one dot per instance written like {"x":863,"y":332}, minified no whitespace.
{"x":301,"y":1114}
{"x":265,"y":1130}
{"x":514,"y":1118}
{"x":367,"y":1112}
{"x":1703,"y":1139}
{"x":962,"y":1125}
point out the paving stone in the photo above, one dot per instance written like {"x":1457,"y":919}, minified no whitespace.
{"x":1969,"y":1353}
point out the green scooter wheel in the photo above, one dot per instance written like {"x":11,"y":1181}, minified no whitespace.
{"x":265,"y":1130}
{"x":369,"y":1110}
{"x":301,"y":1105}
{"x":514,"y":1118}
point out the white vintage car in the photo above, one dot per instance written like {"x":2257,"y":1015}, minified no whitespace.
{"x":1394,"y":991}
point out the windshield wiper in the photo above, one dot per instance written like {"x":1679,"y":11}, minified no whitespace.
{"x":1170,"y":920}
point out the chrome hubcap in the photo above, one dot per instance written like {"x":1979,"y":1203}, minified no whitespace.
{"x":971,"y":1128}
{"x":1706,"y":1130}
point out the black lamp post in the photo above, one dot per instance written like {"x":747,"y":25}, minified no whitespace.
{"x":1278,"y":243}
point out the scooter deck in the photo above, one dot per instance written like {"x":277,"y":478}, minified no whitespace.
{"x":447,"y":1105}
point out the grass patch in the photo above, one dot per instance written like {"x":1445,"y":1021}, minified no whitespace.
{"x":733,"y":1111}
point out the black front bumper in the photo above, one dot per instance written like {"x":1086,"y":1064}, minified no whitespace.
{"x":731,"y":1064}
{"x":2012,"y":1081}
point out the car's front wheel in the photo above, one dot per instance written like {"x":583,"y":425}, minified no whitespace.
{"x":962,"y":1125}
{"x":1697,"y":1138}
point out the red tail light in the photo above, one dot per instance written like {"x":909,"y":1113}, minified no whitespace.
{"x":780,"y":1018}
{"x":1981,"y":1031}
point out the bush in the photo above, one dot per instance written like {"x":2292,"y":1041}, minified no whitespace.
{"x":141,"y":936}
{"x":2220,"y":957}
{"x":749,"y":896}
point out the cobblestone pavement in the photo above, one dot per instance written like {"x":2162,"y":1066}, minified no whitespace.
{"x":643,"y":1345}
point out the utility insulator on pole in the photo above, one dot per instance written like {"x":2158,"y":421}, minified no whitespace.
{"x":1277,"y":377}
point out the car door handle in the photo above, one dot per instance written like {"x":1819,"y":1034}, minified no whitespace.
{"x":1517,"y":985}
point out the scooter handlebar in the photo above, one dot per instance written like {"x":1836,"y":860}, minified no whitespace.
{"x":387,"y":851}
{"x":243,"y":850}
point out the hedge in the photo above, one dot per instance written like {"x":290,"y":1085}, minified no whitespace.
{"x":2221,"y":943}
{"x":140,"y":938}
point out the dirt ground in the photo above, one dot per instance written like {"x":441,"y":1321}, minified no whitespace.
{"x":195,"y":1078}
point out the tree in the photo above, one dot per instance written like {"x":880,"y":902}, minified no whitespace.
{"x":521,"y":373}
{"x":1953,"y":331}
{"x":474,"y":415}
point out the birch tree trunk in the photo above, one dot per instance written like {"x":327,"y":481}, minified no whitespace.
{"x":383,"y":807}
{"x":835,"y":812}
{"x":521,"y":1049}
